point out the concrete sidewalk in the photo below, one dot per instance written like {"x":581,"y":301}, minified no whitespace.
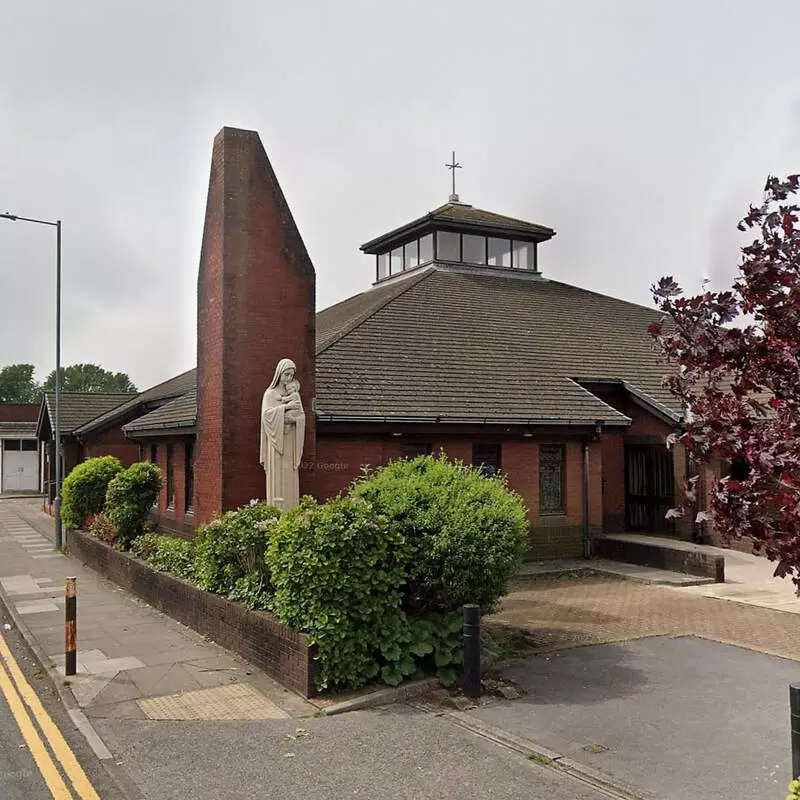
{"x":750,"y":579}
{"x":133,"y":661}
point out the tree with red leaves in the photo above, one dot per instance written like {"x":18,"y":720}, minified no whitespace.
{"x":740,"y":385}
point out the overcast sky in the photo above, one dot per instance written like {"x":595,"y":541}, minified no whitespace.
{"x":638,"y":130}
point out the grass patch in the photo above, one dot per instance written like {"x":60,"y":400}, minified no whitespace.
{"x":538,"y":758}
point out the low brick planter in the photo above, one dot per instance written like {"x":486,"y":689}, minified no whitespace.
{"x":283,"y":653}
{"x":675,"y":556}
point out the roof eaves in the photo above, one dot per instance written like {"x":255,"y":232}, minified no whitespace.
{"x":43,"y":411}
{"x":408,"y":226}
{"x":652,"y":405}
{"x":642,"y":399}
{"x":155,"y":428}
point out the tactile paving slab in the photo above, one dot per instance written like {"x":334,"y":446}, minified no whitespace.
{"x":236,"y":701}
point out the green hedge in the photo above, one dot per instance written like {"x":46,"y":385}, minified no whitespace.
{"x":230,"y":554}
{"x":466,"y":532}
{"x":83,"y":493}
{"x":375,"y":577}
{"x":166,"y":554}
{"x":130,"y":496}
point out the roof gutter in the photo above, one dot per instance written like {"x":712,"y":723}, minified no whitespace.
{"x":623,"y":422}
{"x":159,"y":427}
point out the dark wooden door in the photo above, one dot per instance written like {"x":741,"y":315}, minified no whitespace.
{"x":649,"y":488}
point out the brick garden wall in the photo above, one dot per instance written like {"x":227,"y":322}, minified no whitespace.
{"x":257,"y":636}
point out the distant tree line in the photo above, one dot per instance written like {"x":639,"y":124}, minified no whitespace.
{"x":18,"y":383}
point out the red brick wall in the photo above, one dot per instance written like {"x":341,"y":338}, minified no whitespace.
{"x":256,"y":305}
{"x":111,"y":442}
{"x":339,"y":460}
{"x":19,"y":412}
{"x":613,"y":446}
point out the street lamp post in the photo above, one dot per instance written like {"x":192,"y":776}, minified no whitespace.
{"x":57,"y":226}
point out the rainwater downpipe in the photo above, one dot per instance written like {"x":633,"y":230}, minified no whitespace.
{"x":587,"y":542}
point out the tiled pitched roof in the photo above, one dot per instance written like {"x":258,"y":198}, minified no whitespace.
{"x":175,"y":387}
{"x":79,"y":408}
{"x":17,"y":430}
{"x":461,"y":345}
{"x":459,"y":212}
{"x":336,"y":321}
{"x":464,"y":345}
{"x":178,"y":413}
{"x":463,"y":217}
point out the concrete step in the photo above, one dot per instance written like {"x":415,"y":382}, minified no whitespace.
{"x":619,"y":569}
{"x":660,"y":553}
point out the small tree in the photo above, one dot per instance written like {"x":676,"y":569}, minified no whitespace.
{"x":741,"y":385}
{"x":17,"y":384}
{"x":84,"y":489}
{"x":129,"y":499}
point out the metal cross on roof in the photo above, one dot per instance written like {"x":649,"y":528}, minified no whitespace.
{"x":453,"y":166}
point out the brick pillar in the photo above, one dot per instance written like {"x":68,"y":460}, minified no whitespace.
{"x":255,"y":305}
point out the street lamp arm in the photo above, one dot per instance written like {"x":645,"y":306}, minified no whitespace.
{"x":15,"y":217}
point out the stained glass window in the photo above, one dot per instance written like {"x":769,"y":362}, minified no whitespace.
{"x":551,"y":478}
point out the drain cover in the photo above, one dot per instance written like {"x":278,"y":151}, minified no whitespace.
{"x":236,"y":701}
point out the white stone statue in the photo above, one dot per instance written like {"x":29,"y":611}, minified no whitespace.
{"x":283,"y":428}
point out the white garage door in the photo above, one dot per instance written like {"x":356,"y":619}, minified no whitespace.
{"x":20,"y":471}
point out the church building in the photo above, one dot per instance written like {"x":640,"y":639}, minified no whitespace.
{"x":460,"y":342}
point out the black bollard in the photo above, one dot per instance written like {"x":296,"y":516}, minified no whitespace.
{"x":472,"y":650}
{"x":794,"y":708}
{"x":70,"y":631}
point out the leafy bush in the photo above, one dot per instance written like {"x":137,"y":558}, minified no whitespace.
{"x":130,"y":497}
{"x":83,"y":492}
{"x":338,"y":571}
{"x":794,"y":790}
{"x":230,"y":554}
{"x":145,"y":546}
{"x":466,"y":532}
{"x":431,"y":643}
{"x":166,"y":554}
{"x":101,"y":527}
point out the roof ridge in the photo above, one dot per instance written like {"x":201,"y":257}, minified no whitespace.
{"x":413,"y":280}
{"x":604,"y":296}
{"x":168,"y":380}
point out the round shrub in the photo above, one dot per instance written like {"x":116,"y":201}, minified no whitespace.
{"x":466,"y":532}
{"x":338,"y":571}
{"x":130,"y":497}
{"x":83,"y":492}
{"x":230,"y":553}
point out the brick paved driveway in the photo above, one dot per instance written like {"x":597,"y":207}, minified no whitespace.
{"x":572,"y":611}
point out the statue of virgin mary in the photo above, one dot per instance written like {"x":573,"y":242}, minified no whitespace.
{"x":283,"y":427}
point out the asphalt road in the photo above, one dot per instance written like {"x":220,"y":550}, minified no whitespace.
{"x":681,"y":717}
{"x":42,"y":755}
{"x":19,"y":776}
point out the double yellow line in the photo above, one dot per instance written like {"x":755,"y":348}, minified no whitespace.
{"x":27,"y":708}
